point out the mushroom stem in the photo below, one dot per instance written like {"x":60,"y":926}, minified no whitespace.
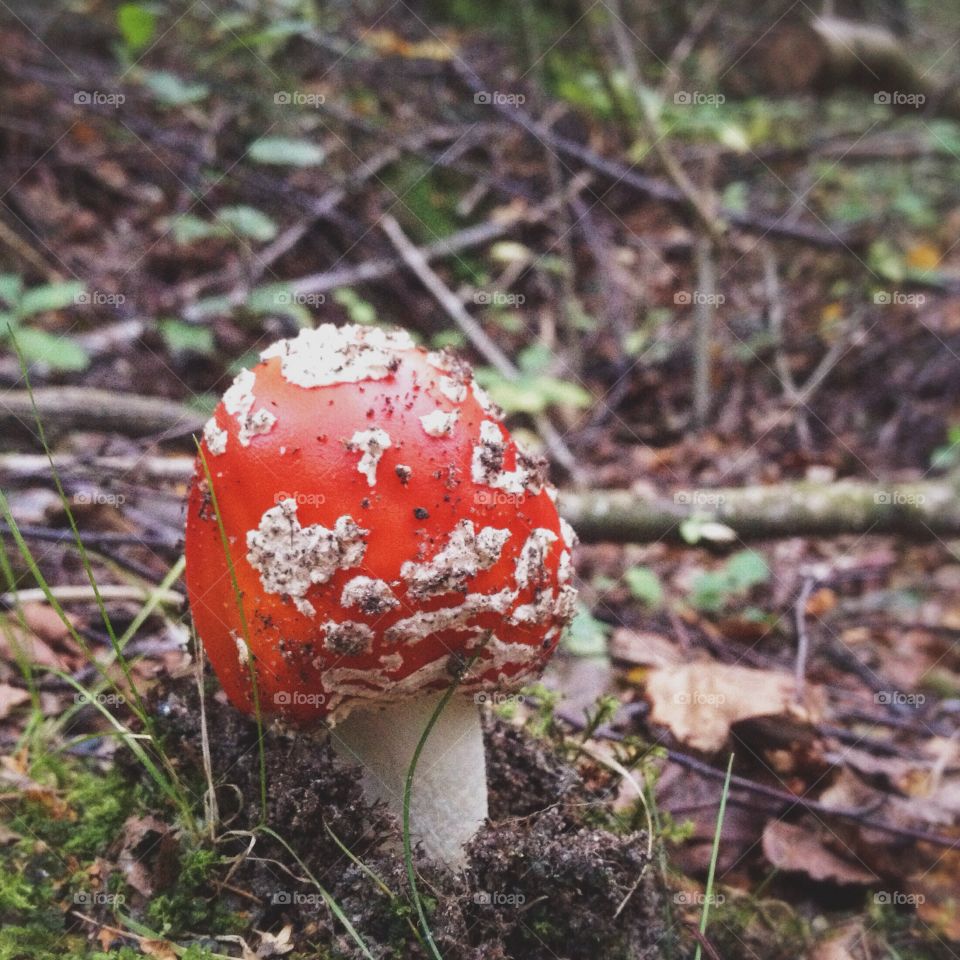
{"x":448,"y":801}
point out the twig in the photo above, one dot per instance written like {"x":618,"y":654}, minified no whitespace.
{"x":417,"y":263}
{"x":803,"y":638}
{"x":174,"y":468}
{"x":924,"y":510}
{"x":702,"y":203}
{"x":703,"y":310}
{"x":94,"y":539}
{"x":476,"y":236}
{"x":658,"y":190}
{"x":671,"y":73}
{"x":85,"y":594}
{"x":790,"y":800}
{"x":84,"y":408}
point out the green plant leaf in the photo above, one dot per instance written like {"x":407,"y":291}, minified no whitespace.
{"x":59,"y":353}
{"x":287,"y":152}
{"x":172,"y":91}
{"x":50,"y":296}
{"x":248,"y":222}
{"x":644,"y":585}
{"x":10,"y":287}
{"x":586,"y":636}
{"x":747,"y":569}
{"x":187,"y":229}
{"x":709,"y":591}
{"x":278,"y":299}
{"x":180,"y":336}
{"x":357,"y":308}
{"x":137,"y":25}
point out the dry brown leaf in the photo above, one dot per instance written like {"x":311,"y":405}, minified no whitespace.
{"x":11,"y":697}
{"x":644,"y":647}
{"x":158,"y":949}
{"x":388,"y":42}
{"x":795,"y":849}
{"x":14,"y":641}
{"x":699,"y":702}
{"x":840,"y":946}
{"x":275,"y":945}
{"x":147,"y":855}
{"x":936,"y":894}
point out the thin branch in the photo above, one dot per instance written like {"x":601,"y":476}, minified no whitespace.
{"x":416,"y":261}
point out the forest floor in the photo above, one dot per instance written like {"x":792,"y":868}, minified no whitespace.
{"x":180,"y":190}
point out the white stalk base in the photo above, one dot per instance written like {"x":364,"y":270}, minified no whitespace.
{"x":449,"y":798}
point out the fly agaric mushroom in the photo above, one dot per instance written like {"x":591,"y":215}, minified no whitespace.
{"x":385,"y":531}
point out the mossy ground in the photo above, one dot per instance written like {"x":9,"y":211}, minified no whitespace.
{"x":545,"y":878}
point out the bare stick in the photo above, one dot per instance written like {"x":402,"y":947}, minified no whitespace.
{"x":447,"y":299}
{"x":803,"y":639}
{"x":704,"y":306}
{"x":82,"y":408}
{"x":84,"y":593}
{"x":651,"y":187}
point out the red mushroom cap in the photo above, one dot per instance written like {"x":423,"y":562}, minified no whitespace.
{"x":383,"y":526}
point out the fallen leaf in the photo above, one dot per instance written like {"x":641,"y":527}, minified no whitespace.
{"x":388,"y":42}
{"x":644,"y":647}
{"x":699,"y":702}
{"x":158,"y":949}
{"x":795,"y":849}
{"x":11,"y":697}
{"x":275,"y":945}
{"x":148,"y":854}
{"x":936,"y":895}
{"x":841,"y":945}
{"x":923,"y":256}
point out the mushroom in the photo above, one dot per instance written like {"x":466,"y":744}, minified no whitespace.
{"x":389,"y":539}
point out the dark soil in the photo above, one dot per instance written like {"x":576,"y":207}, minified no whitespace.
{"x":540,"y":881}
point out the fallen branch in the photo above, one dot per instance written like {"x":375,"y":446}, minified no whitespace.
{"x":926,"y":510}
{"x":830,"y":52}
{"x":475,"y":333}
{"x":650,"y":187}
{"x":787,"y":801}
{"x":84,"y":593}
{"x":62,"y":409}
